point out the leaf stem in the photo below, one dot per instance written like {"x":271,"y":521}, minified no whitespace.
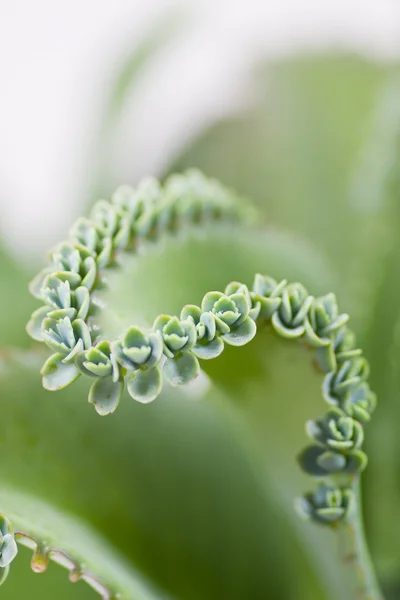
{"x":359,"y":552}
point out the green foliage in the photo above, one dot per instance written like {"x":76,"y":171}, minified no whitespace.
{"x":80,"y":268}
{"x":299,"y":155}
{"x":223,"y":318}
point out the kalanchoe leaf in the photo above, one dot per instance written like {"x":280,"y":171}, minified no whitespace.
{"x":235,"y":287}
{"x":336,"y":430}
{"x":66,"y":257}
{"x":126,"y":202}
{"x":81,"y":302}
{"x":8,"y":547}
{"x":122,"y":237}
{"x":5,"y":525}
{"x":318,"y":462}
{"x":229,"y":311}
{"x":209,"y":300}
{"x":226,"y":310}
{"x":191,"y":311}
{"x":178,"y":336}
{"x":8,"y":550}
{"x":207,"y":327}
{"x":241,"y":335}
{"x":97,"y":362}
{"x":344,"y":342}
{"x":323,"y":320}
{"x":36,"y":284}
{"x":85,"y":233}
{"x":74,"y":279}
{"x":289,"y":318}
{"x":205,"y":322}
{"x":88,"y":272}
{"x":327,"y":505}
{"x":242,"y":302}
{"x":267,"y":287}
{"x":206,"y":350}
{"x":66,"y":337}
{"x":59,"y":335}
{"x":350,"y":374}
{"x":105,"y":395}
{"x":82,"y":334}
{"x":61,"y":313}
{"x":105,"y":217}
{"x":145,"y":385}
{"x":209,"y":345}
{"x":266,"y":292}
{"x":138,"y":349}
{"x":182,"y":369}
{"x":104,"y":253}
{"x":312,"y":337}
{"x":57,"y":374}
{"x":360,"y":403}
{"x":56,"y":293}
{"x":331,"y":462}
{"x":34,"y":326}
{"x":325,"y":358}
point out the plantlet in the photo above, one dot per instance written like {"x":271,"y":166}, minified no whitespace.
{"x":174,"y":349}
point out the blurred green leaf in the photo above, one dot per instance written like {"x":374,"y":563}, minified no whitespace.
{"x":15,"y":302}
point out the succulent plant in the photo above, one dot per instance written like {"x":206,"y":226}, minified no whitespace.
{"x":321,"y":462}
{"x":327,"y":505}
{"x":267,"y":293}
{"x":323,"y":323}
{"x":173,"y":345}
{"x":231,"y":316}
{"x":346,"y":378}
{"x":139,"y":353}
{"x":178,"y":337}
{"x":289,"y":320}
{"x":360,"y":402}
{"x":336,"y":430}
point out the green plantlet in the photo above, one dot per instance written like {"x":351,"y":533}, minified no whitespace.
{"x":326,"y":506}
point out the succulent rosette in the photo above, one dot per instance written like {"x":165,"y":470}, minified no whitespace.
{"x":327,"y":505}
{"x":98,"y":362}
{"x":289,"y":320}
{"x":319,"y":461}
{"x":360,"y":402}
{"x":138,"y":354}
{"x":209,"y":343}
{"x":179,"y":338}
{"x":336,"y":430}
{"x":235,"y":287}
{"x":267,"y":293}
{"x":322,"y":323}
{"x":231,"y":315}
{"x":339,"y":439}
{"x":66,"y":338}
{"x":349,"y":375}
{"x":112,"y":224}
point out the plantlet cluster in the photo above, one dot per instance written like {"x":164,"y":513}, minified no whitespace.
{"x":139,"y":359}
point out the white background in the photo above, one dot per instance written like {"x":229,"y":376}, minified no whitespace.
{"x":58,"y":61}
